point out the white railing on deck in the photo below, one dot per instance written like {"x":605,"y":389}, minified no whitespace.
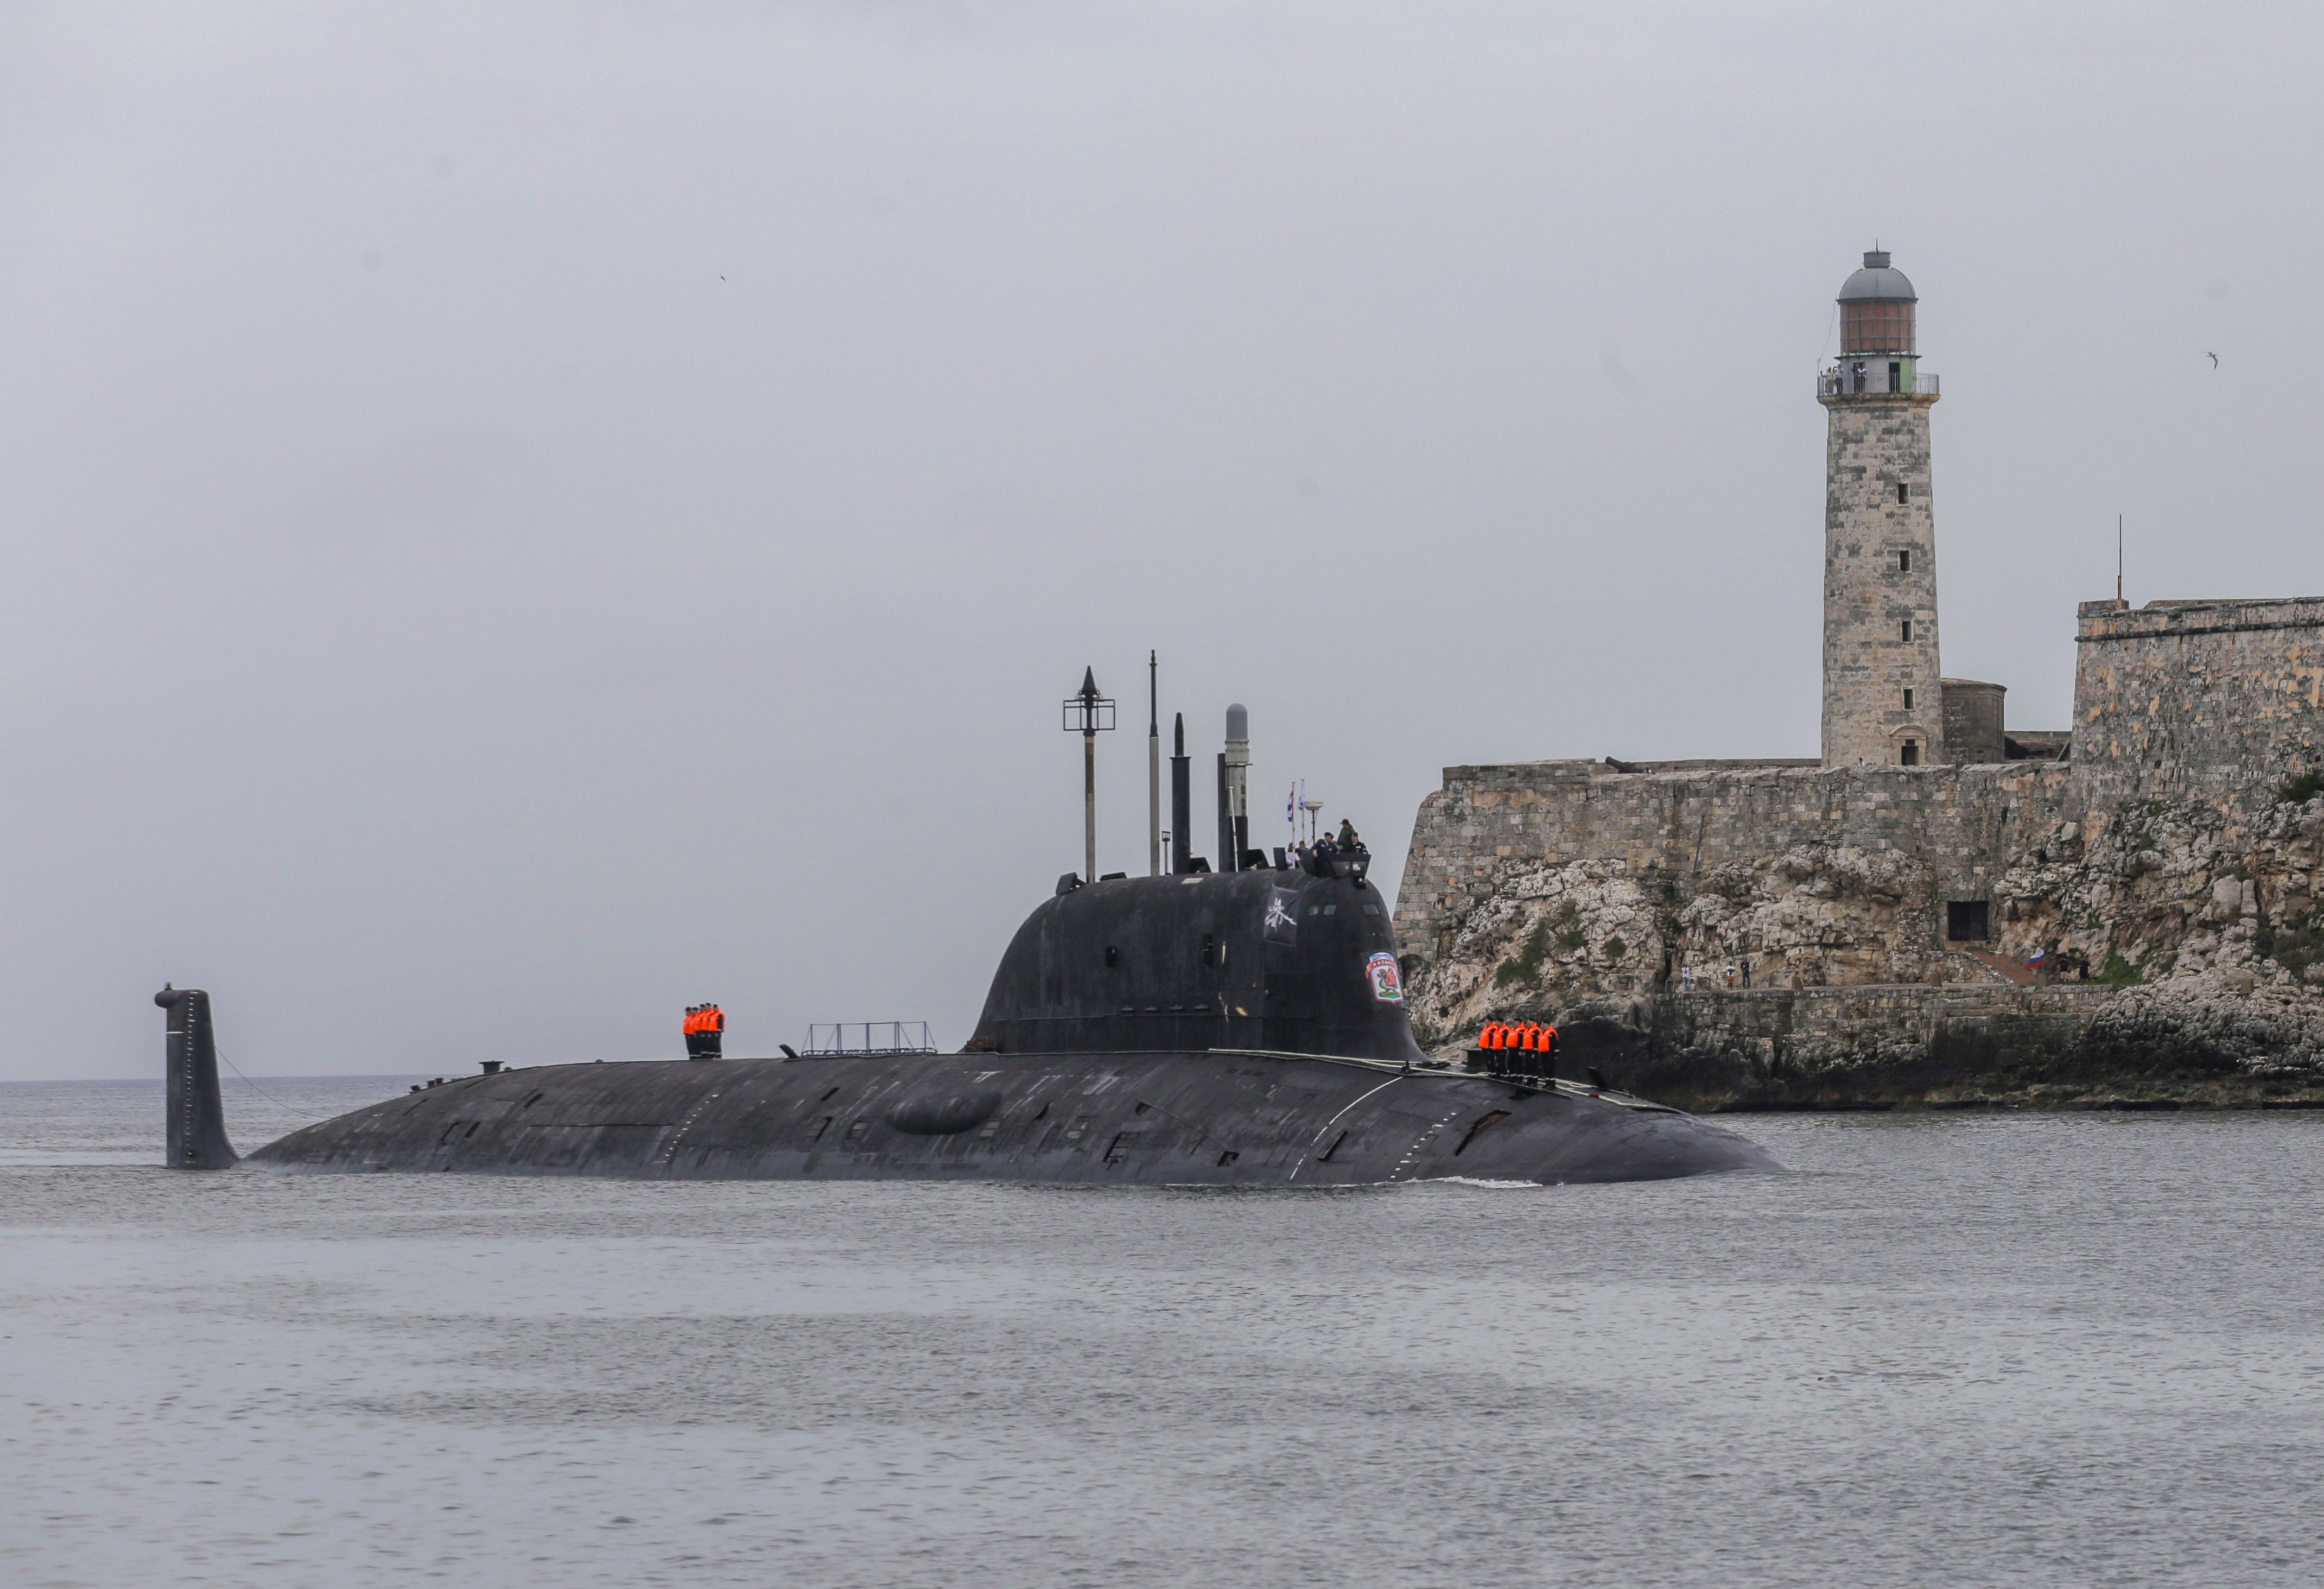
{"x":870,"y":1037}
{"x":1843,"y":382}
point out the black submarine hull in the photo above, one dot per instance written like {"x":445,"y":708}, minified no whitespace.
{"x":1236,"y":1030}
{"x":1180,"y":1118}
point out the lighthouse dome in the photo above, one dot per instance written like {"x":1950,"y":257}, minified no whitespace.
{"x":1878,"y":282}
{"x":1876,"y":311}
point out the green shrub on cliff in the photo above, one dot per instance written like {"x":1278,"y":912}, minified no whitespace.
{"x":2294,"y":945}
{"x":1526,"y":966}
{"x":2118,"y":973}
{"x":2300,"y":789}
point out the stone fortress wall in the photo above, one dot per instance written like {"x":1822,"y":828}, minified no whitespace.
{"x":2165,"y":858}
{"x":2221,"y":702}
{"x":1964,"y":825}
{"x":1561,"y":890}
{"x":2198,"y":696}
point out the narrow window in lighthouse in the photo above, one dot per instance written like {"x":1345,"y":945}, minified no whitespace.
{"x":1908,"y":698}
{"x":1900,"y":491}
{"x":1905,"y":630}
{"x":1904,"y":562}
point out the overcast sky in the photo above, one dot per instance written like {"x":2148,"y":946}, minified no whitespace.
{"x":519,"y":518}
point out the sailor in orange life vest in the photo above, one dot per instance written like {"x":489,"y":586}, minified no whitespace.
{"x":1533,"y":1037}
{"x":705,"y":1025}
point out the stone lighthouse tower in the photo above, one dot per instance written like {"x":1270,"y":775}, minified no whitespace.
{"x":1883,"y":699}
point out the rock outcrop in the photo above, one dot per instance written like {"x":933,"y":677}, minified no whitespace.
{"x":2192,"y":930}
{"x":2180,"y":893}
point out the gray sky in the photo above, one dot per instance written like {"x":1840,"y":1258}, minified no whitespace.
{"x":518,"y":518}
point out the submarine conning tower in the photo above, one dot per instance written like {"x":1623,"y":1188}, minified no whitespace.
{"x":1297,"y":961}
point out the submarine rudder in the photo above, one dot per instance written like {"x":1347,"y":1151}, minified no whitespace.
{"x":195,"y":1137}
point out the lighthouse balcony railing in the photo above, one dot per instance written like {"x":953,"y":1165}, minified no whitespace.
{"x":1874,"y":380}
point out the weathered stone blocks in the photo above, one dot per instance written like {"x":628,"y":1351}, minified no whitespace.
{"x":1880,"y":584}
{"x":2212,"y":695}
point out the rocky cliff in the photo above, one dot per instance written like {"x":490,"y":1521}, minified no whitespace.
{"x":2190,"y":929}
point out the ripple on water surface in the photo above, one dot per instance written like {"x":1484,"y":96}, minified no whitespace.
{"x":2012,"y":1349}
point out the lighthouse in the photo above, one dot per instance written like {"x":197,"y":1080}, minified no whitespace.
{"x":1883,"y":691}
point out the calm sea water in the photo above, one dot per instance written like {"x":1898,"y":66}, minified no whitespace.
{"x":2015,"y":1350}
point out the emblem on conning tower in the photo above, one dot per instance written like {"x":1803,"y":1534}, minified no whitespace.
{"x":1387,"y":986}
{"x":1281,"y":925}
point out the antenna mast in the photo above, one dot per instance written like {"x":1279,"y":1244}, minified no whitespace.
{"x":2117,"y":559}
{"x":1089,"y":715}
{"x":1153,"y":768}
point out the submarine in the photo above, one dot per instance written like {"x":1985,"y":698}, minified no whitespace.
{"x":1208,"y":1028}
{"x":1240,"y":1028}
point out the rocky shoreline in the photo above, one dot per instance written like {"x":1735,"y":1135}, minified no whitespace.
{"x":1915,"y":1048}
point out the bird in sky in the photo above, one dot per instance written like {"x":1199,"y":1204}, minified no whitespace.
{"x":2212,"y":356}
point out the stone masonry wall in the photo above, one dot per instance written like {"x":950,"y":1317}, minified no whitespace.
{"x":1561,"y":890}
{"x":1895,"y":842}
{"x":2073,"y":1045}
{"x":1875,"y":445}
{"x":2211,"y":698}
{"x":1944,"y":1044}
{"x":1975,"y":729}
{"x":1781,"y":1026}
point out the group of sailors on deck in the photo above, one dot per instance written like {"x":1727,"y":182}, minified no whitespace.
{"x":1346,"y":843}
